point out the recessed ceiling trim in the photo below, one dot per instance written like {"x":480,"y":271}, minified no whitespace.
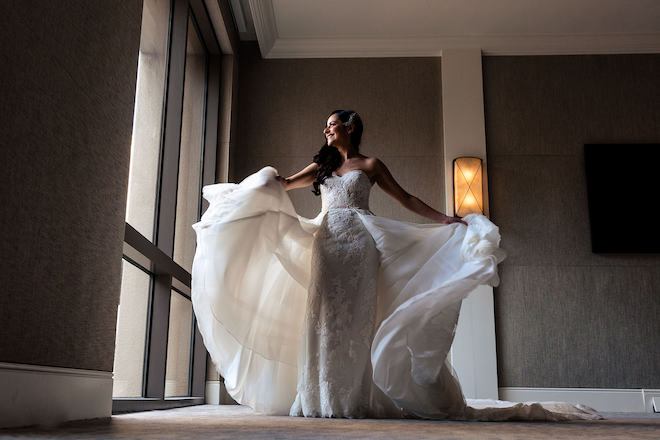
{"x":489,"y":45}
{"x":273,"y":46}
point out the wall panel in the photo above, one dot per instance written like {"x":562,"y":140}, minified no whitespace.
{"x":67,"y":93}
{"x":566,"y":317}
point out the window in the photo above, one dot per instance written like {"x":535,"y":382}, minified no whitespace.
{"x":160,"y":360}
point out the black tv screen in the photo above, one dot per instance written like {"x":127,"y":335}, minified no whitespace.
{"x":622,"y":189}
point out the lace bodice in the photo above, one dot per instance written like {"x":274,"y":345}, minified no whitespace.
{"x":350,"y":190}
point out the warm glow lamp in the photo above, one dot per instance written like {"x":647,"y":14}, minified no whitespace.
{"x":468,"y":186}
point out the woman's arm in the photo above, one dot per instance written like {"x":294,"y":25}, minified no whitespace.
{"x":301,"y":179}
{"x":384,"y":179}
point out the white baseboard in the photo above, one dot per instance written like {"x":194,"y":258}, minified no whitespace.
{"x":39,"y":395}
{"x":652,"y":400}
{"x":216,"y":393}
{"x":212,"y":394}
{"x":601,"y":399}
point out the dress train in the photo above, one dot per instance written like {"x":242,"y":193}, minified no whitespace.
{"x":254,"y":277}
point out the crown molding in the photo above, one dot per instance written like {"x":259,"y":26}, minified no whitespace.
{"x":263,"y":15}
{"x":489,"y":45}
{"x":274,"y":46}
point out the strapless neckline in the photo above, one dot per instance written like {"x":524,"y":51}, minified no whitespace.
{"x":350,"y":190}
{"x":356,"y":170}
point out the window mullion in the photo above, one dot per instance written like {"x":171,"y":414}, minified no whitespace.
{"x":157,"y":350}
{"x":198,"y":368}
{"x":172,"y":132}
{"x":212,"y":118}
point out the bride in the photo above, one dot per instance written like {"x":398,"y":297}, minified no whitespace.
{"x":347,"y":314}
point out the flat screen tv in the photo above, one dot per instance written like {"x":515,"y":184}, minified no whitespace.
{"x":623,"y":190}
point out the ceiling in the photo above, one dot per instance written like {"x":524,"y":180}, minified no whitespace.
{"x":383,"y":28}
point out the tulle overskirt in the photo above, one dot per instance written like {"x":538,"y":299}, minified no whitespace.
{"x":250,"y":277}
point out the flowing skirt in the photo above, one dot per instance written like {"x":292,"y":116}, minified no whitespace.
{"x":253,"y":284}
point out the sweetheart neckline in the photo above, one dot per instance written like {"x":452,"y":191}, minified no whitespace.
{"x":354,"y":170}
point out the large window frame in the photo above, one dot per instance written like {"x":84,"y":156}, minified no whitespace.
{"x":156,"y":258}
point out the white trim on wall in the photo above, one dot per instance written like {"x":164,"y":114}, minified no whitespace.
{"x":652,"y":400}
{"x":601,"y":399}
{"x":40,"y":395}
{"x":473,"y":353}
{"x":491,"y":45}
{"x":212,"y":393}
{"x":655,"y":403}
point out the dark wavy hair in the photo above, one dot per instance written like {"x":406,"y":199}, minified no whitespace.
{"x":328,"y":158}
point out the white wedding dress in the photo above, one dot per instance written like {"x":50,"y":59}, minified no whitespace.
{"x":344,"y":315}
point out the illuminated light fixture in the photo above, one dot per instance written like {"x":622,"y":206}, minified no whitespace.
{"x":468,"y":186}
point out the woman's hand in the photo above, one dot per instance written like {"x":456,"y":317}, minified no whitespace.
{"x":282,"y":180}
{"x":301,"y":179}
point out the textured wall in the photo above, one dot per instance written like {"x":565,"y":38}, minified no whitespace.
{"x":68,"y":80}
{"x":283,"y":106}
{"x":564,"y":316}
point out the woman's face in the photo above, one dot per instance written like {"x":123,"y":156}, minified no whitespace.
{"x":336,"y":133}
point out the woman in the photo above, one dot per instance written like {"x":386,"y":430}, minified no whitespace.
{"x":348,"y":314}
{"x":335,"y":372}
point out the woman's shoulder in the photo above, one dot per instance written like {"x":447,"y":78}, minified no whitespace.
{"x":372,"y":164}
{"x":369,"y":161}
{"x":373,"y":167}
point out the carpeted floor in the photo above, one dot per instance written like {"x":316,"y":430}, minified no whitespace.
{"x":232,"y":422}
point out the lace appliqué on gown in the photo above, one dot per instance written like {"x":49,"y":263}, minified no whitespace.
{"x":345,"y":315}
{"x":335,"y":366}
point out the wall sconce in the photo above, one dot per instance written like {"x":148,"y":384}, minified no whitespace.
{"x":468,"y":186}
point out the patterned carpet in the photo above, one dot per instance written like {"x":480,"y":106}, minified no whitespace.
{"x":231,"y":422}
